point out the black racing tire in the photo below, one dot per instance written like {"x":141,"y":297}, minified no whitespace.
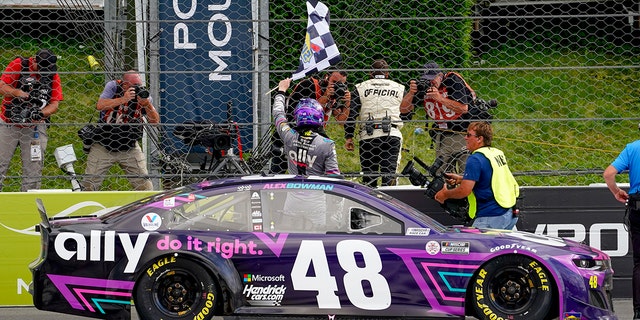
{"x":176,"y":288}
{"x":512,"y":287}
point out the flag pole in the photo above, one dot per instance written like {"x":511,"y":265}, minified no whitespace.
{"x":274,"y":88}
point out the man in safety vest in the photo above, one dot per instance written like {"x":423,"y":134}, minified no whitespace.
{"x":487,"y":182}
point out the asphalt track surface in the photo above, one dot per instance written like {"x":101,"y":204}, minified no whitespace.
{"x":623,"y":308}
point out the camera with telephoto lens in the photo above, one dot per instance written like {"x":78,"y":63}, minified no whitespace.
{"x":141,"y":92}
{"x":479,"y":108}
{"x":27,"y":110}
{"x":339,"y":90}
{"x":456,"y":208}
{"x":423,"y":86}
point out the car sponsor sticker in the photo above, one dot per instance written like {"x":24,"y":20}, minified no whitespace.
{"x":454,"y":247}
{"x":264,"y":296}
{"x":151,"y":221}
{"x":418,"y":231}
{"x":432,"y":247}
{"x":169,"y":202}
{"x":250,"y":277}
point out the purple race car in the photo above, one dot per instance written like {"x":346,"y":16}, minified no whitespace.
{"x":315,"y":247}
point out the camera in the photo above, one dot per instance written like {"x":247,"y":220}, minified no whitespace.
{"x":339,"y":90}
{"x":423,"y":86}
{"x":456,"y":208}
{"x":29,"y":109}
{"x":24,"y":112}
{"x":479,"y":108}
{"x":141,"y":92}
{"x":204,"y":133}
{"x":88,"y":135}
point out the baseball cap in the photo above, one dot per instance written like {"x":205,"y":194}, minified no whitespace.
{"x":46,"y":61}
{"x":433,"y":69}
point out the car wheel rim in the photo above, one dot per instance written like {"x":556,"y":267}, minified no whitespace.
{"x":177,"y":292}
{"x":511,"y":292}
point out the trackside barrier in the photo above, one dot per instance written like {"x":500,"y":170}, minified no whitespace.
{"x":20,"y":244}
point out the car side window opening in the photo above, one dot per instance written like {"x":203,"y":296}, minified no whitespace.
{"x":220,"y":212}
{"x":319,"y":211}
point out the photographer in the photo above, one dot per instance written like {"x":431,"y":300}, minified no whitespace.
{"x":330,"y":91}
{"x":448,"y":100}
{"x":376,"y":108}
{"x":487,"y":182}
{"x":124,"y":106}
{"x":32,"y":90}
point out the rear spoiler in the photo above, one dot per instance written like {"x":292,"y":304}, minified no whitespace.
{"x":44,"y":220}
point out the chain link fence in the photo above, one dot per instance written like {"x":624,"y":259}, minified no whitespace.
{"x":565,"y":75}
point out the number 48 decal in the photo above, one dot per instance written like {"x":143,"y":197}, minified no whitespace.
{"x":311,"y":253}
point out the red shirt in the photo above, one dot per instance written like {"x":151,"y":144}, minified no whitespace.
{"x":11,"y":76}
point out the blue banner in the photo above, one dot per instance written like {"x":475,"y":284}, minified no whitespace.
{"x":205,"y":62}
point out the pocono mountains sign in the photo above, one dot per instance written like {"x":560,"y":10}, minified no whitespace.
{"x":206,"y":60}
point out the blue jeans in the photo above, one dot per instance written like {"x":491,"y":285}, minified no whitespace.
{"x":506,"y":221}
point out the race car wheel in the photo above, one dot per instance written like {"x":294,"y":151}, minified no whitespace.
{"x":512,"y":287}
{"x":176,"y":288}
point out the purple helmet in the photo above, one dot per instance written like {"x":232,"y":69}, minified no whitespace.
{"x":309,"y":112}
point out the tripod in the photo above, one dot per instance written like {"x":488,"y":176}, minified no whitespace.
{"x":227,"y":165}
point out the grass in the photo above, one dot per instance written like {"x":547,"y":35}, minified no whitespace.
{"x":561,"y":119}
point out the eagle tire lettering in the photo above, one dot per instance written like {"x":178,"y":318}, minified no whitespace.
{"x":512,"y":287}
{"x":177,"y":289}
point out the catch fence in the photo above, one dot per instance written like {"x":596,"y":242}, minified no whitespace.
{"x":564,"y":73}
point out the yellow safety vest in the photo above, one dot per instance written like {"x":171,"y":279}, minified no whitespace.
{"x":503,"y":184}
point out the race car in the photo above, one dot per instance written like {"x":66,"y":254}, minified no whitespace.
{"x":295,"y":246}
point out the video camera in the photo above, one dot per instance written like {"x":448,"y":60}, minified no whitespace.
{"x":205,"y":134}
{"x":456,"y":208}
{"x":29,"y":109}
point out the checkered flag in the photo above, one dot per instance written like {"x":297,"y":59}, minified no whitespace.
{"x":319,"y":51}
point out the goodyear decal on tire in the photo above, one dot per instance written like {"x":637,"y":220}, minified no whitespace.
{"x":207,"y":308}
{"x":478,"y":285}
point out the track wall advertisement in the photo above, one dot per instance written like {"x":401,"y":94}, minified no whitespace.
{"x":21,"y":244}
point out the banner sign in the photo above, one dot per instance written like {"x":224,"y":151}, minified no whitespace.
{"x":206,"y":64}
{"x":21,"y":244}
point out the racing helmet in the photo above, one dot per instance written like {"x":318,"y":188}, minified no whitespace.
{"x":309,"y":112}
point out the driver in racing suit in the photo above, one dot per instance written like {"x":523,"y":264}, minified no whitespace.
{"x":308,"y":153}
